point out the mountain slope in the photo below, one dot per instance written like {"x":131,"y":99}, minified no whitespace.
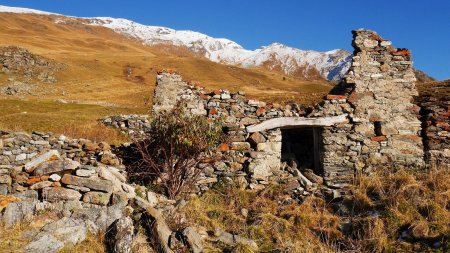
{"x":330,"y":65}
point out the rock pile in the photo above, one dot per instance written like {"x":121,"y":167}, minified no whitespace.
{"x":18,"y":148}
{"x":19,"y":62}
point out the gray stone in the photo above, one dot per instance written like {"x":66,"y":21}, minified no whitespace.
{"x":3,"y":189}
{"x":97,"y":198}
{"x":5,"y":179}
{"x":120,"y":198}
{"x":193,"y":239}
{"x":232,"y":240}
{"x":67,"y":230}
{"x":123,"y":235}
{"x":55,"y":177}
{"x":78,"y":188}
{"x":84,"y":173}
{"x":107,"y":174}
{"x":45,"y":243}
{"x":54,"y":194}
{"x":40,"y":185}
{"x":27,"y":195}
{"x":48,"y":156}
{"x":49,"y":167}
{"x":91,"y":183}
{"x":18,"y":211}
{"x":21,"y":157}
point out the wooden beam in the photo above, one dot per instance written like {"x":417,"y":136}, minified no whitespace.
{"x":292,"y":122}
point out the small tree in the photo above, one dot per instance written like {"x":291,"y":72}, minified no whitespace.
{"x":174,"y":145}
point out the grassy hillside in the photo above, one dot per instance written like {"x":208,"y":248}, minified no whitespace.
{"x":103,"y":67}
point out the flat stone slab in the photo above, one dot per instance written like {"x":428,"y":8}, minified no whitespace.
{"x":50,"y":167}
{"x":48,"y":156}
{"x":91,"y":183}
{"x":292,"y":122}
{"x":54,"y":194}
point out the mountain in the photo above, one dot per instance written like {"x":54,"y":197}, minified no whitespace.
{"x":307,"y":64}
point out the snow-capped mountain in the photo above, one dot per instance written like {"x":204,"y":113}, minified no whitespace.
{"x":331,"y":65}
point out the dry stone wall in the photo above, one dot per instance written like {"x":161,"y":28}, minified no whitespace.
{"x":434,"y":102}
{"x":253,"y":158}
{"x":381,"y":125}
{"x":377,"y":94}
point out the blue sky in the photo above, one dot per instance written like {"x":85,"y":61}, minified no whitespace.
{"x":422,"y":26}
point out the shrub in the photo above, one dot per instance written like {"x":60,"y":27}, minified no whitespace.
{"x":176,"y":142}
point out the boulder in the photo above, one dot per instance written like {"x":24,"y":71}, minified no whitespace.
{"x":91,"y":183}
{"x":54,"y":194}
{"x":46,"y":243}
{"x":18,"y":211}
{"x":67,"y":230}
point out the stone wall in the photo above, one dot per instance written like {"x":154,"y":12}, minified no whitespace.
{"x":255,"y":156}
{"x":377,"y":94}
{"x":380,"y":126}
{"x":434,"y":103}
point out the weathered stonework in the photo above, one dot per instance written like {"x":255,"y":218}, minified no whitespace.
{"x":434,"y":103}
{"x":371,"y":122}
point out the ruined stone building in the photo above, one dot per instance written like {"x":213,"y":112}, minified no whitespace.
{"x":368,"y":120}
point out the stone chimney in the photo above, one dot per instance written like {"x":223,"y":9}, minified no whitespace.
{"x":383,"y":85}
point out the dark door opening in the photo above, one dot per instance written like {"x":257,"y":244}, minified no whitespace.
{"x":303,"y":146}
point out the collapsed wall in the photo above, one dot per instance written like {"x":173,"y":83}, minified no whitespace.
{"x":248,"y":156}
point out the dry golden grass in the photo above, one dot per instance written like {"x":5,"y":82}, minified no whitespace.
{"x":74,"y":120}
{"x":413,"y":201}
{"x":12,"y":240}
{"x":92,"y":244}
{"x":384,"y":204}
{"x":275,"y":227}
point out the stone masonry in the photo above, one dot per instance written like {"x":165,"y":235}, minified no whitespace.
{"x":367,"y":121}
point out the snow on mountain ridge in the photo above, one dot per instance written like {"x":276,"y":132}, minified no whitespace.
{"x":331,"y":65}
